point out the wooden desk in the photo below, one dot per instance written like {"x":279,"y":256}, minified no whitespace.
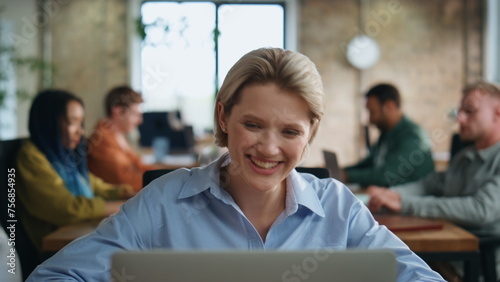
{"x":450,"y":238}
{"x":449,"y":243}
{"x":169,"y":161}
{"x":65,"y":234}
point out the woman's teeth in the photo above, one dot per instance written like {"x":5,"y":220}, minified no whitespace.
{"x":265,"y":165}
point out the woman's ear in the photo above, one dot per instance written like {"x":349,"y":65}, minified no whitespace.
{"x":222,"y":116}
{"x":314,"y":129}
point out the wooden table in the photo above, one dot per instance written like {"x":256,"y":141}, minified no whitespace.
{"x":448,"y":243}
{"x":62,"y":236}
{"x":445,"y":243}
{"x":65,"y":234}
{"x":449,"y":238}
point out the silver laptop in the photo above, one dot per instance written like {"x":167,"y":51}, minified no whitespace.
{"x":332,"y":164}
{"x":255,"y":266}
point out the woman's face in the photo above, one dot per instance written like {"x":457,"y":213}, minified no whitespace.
{"x":72,"y":127}
{"x":268,"y":131}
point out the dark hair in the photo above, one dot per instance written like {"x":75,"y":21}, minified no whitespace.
{"x":48,"y":110}
{"x":123,"y":96}
{"x":385,"y":92}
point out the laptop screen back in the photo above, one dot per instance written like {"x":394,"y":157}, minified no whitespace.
{"x":252,"y":266}
{"x":332,"y":164}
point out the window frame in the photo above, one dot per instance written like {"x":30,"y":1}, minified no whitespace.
{"x":492,"y":42}
{"x":291,"y":32}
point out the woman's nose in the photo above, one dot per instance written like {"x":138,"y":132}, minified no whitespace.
{"x":268,"y":144}
{"x":81,"y":130}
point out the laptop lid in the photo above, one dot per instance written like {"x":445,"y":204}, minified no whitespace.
{"x":250,"y":266}
{"x":332,"y":164}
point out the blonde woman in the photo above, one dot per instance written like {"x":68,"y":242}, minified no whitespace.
{"x":267,"y":113}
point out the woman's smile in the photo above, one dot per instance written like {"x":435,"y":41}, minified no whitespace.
{"x":263,"y":166}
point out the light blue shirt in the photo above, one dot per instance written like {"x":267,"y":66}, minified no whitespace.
{"x":188,"y":209}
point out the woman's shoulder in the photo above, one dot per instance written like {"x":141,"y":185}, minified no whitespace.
{"x":29,"y":153}
{"x":32,"y":165}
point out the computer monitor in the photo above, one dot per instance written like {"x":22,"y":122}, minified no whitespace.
{"x":156,"y":124}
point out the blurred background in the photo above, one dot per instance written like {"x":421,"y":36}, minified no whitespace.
{"x":177,"y":54}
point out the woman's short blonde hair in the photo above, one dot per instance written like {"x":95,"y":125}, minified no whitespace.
{"x":289,"y":70}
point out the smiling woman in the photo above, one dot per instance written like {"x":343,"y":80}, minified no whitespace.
{"x":251,"y":198}
{"x":265,"y":144}
{"x":269,"y":106}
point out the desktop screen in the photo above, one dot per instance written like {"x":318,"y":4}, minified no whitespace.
{"x":156,"y":124}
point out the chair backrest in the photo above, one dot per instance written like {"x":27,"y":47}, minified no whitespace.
{"x":332,"y":164}
{"x":151,"y":175}
{"x":488,"y":247}
{"x":457,"y":144}
{"x":319,"y":172}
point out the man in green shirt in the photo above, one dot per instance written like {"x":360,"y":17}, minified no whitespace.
{"x":402,"y":153}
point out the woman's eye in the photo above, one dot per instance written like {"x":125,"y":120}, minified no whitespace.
{"x":292,"y":132}
{"x":251,"y":125}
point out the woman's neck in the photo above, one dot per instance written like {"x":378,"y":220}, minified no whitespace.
{"x":260,"y":207}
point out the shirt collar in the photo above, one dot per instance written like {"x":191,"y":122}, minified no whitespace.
{"x":204,"y":178}
{"x":299,"y":191}
{"x":303,"y":194}
{"x":401,"y":123}
{"x":489,"y":152}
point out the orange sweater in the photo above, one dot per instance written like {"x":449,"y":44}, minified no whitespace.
{"x":107,"y":160}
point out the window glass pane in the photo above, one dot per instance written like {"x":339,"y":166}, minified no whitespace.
{"x":178,"y":53}
{"x":245,"y":27}
{"x":178,"y":61}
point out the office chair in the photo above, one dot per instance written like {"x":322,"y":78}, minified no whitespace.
{"x":488,"y":246}
{"x":151,"y":175}
{"x":457,"y":144}
{"x":319,"y":172}
{"x":29,"y":257}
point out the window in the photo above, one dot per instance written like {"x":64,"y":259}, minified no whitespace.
{"x":189,"y":46}
{"x":492,"y":44}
